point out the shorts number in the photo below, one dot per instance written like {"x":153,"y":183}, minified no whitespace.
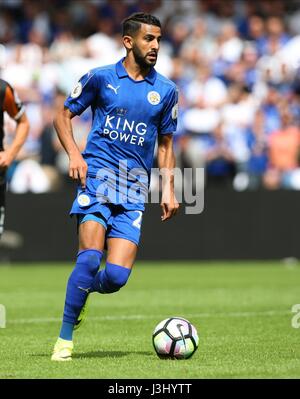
{"x":138,"y":220}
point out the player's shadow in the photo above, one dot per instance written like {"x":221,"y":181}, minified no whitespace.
{"x":107,"y":354}
{"x":101,"y":354}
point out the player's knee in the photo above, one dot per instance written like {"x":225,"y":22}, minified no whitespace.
{"x":116,"y":277}
{"x":89,"y":260}
{"x":87,"y":265}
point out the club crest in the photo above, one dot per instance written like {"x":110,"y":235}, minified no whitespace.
{"x":153,"y":97}
{"x":83,"y":200}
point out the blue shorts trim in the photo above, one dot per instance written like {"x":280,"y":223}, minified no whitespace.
{"x":91,"y":217}
{"x":117,"y":221}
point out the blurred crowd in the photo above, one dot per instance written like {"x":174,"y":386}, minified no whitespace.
{"x":236,"y":64}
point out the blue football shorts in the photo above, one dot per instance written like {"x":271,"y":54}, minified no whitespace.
{"x":118,"y":221}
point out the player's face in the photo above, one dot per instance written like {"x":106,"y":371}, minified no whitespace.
{"x":145,"y":45}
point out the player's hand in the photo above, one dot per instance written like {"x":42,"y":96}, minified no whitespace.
{"x":169,"y":206}
{"x":78,"y":169}
{"x":5,"y":159}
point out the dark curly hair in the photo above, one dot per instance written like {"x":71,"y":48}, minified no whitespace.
{"x":132,"y":24}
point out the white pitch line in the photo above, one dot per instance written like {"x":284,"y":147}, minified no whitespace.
{"x":157,"y":316}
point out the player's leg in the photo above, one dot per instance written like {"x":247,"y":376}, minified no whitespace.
{"x":2,"y":202}
{"x":91,"y":244}
{"x":121,"y":254}
{"x":122,"y":243}
{"x":2,"y":216}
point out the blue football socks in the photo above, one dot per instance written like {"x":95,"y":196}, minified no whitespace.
{"x":66,"y":331}
{"x":83,"y":280}
{"x":78,"y":288}
{"x":110,"y":279}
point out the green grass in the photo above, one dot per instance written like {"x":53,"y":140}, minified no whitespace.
{"x":242,"y":312}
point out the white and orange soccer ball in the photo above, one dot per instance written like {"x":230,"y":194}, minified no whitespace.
{"x":175,"y":338}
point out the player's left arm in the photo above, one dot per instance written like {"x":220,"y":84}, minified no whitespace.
{"x":15,"y":109}
{"x":166,"y":163}
{"x":165,"y":154}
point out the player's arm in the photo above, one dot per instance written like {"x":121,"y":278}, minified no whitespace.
{"x":82,"y":96}
{"x":165,"y":154}
{"x":63,"y":126}
{"x":166,"y":164}
{"x":15,"y":109}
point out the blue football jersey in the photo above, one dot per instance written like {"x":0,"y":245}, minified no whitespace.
{"x":127,"y":117}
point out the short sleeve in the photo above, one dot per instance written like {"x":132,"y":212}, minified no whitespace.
{"x":12,"y":104}
{"x":169,"y":113}
{"x":83,"y":94}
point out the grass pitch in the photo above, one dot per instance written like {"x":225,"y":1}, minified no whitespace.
{"x":242,"y":312}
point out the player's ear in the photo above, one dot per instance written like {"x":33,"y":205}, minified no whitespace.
{"x":128,"y":42}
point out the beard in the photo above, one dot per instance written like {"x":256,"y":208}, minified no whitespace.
{"x":141,"y":59}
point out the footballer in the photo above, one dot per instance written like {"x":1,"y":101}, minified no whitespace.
{"x":132,"y":107}
{"x":11,"y":104}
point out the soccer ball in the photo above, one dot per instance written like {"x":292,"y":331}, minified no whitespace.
{"x":175,"y":338}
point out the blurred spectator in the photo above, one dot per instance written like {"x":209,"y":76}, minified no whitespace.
{"x":219,"y":158}
{"x":230,"y":45}
{"x":256,"y":31}
{"x":284,"y":150}
{"x":276,"y":36}
{"x":199,"y":46}
{"x":244,"y":71}
{"x":205,"y":90}
{"x":269,"y":111}
{"x":237,"y":116}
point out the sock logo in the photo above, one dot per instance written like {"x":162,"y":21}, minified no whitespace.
{"x":87,"y":290}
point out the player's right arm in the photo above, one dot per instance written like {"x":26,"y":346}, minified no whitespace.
{"x":63,"y":126}
{"x":82,"y":96}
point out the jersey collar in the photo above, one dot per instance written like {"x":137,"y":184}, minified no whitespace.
{"x":122,"y":73}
